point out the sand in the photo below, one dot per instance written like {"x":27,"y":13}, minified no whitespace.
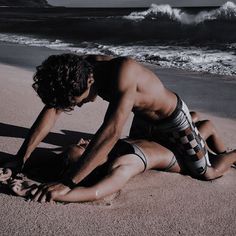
{"x":153,"y":203}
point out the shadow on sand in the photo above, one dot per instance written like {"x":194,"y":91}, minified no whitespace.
{"x":44,"y":164}
{"x":68,"y":137}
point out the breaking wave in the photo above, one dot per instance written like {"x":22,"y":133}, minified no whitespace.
{"x":155,"y":12}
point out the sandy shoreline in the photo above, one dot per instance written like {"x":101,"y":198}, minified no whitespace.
{"x":154,"y":203}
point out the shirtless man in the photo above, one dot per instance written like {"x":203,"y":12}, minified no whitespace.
{"x":64,"y":81}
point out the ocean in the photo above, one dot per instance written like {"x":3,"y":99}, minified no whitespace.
{"x":195,"y":39}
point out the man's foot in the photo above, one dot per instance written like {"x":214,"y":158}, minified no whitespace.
{"x":23,"y":188}
{"x":5,"y":174}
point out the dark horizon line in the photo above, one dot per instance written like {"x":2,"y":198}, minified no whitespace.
{"x":108,"y":7}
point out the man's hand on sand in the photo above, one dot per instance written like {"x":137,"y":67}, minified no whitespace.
{"x":50,"y":192}
{"x":5,"y":174}
{"x":15,"y":164}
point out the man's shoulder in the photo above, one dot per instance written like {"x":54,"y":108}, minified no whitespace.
{"x":125,"y":71}
{"x":123,"y":60}
{"x":123,"y":65}
{"x":97,"y":58}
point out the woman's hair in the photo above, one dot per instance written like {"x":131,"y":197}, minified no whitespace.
{"x":61,"y":77}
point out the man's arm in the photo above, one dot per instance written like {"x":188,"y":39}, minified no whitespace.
{"x":105,"y":138}
{"x":117,"y":114}
{"x":41,"y":127}
{"x":96,"y":152}
{"x":103,"y":141}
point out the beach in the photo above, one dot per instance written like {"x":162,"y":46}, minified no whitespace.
{"x":153,"y":203}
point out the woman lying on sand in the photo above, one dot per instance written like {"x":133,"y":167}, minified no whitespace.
{"x":129,"y":158}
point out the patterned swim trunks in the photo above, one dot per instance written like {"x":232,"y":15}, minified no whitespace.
{"x":179,"y":134}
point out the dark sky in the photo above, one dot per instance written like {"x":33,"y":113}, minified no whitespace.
{"x":135,"y":3}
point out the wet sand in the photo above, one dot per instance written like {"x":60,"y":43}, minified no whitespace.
{"x":153,"y":203}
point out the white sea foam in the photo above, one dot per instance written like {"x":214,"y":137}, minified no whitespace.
{"x":191,"y":58}
{"x":32,"y":41}
{"x":226,"y":11}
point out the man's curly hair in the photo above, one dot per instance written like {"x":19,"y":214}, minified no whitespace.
{"x":61,"y":77}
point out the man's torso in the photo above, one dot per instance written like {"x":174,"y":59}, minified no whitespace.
{"x":152,"y":100}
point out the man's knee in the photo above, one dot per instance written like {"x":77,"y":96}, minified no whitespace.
{"x":208,"y":124}
{"x":195,"y":116}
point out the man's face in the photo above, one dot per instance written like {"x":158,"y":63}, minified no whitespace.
{"x":83,"y":98}
{"x":88,"y":95}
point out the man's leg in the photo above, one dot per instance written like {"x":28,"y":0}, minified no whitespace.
{"x":221,"y":164}
{"x":211,"y":136}
{"x":195,"y":116}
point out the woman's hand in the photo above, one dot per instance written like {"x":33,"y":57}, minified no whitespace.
{"x":50,"y":192}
